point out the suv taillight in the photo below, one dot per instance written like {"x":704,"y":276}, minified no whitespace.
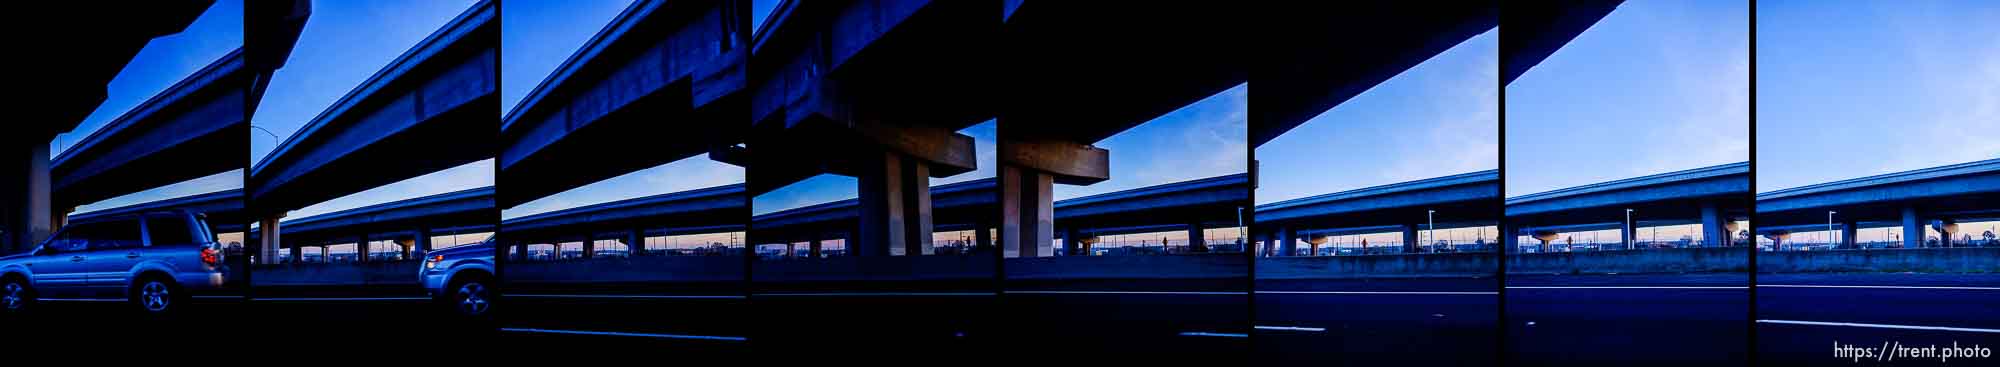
{"x":210,"y":256}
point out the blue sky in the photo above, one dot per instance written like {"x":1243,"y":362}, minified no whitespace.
{"x":1847,"y":89}
{"x":1654,"y":87}
{"x":540,"y":36}
{"x":343,"y":44}
{"x":1436,"y":119}
{"x":163,"y":62}
{"x":1204,"y":139}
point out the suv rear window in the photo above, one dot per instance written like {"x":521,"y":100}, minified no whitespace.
{"x":110,"y":235}
{"x":169,"y":230}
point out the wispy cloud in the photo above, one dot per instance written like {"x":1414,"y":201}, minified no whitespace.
{"x":1965,"y":101}
{"x":1712,"y":86}
{"x":1461,"y":126}
{"x":1205,"y":139}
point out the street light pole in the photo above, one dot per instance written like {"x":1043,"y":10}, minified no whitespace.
{"x":1430,"y":221}
{"x":1829,"y":228}
{"x":1626,"y":234}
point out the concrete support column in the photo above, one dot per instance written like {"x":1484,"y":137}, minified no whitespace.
{"x":1313,"y":248}
{"x":883,"y":214}
{"x":1510,"y":240}
{"x":1629,"y":234}
{"x":406,"y":248}
{"x":589,"y":246}
{"x":1265,"y":246}
{"x":635,"y":242}
{"x":812,"y":248}
{"x":1072,"y":244}
{"x":982,"y":237}
{"x":1410,"y":238}
{"x":916,"y":180}
{"x":361,"y":248}
{"x":521,"y":249}
{"x":1847,"y":232}
{"x":1713,"y":231}
{"x":267,"y":239}
{"x":1197,"y":243}
{"x":1027,"y":201}
{"x":1946,"y":229}
{"x":423,"y":244}
{"x":1913,"y":228}
{"x":28,"y":201}
{"x":1287,"y":246}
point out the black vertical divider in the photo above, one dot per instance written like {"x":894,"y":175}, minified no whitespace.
{"x":1500,"y":273}
{"x":1750,"y":323}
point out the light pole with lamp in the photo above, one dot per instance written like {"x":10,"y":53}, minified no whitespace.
{"x":1430,"y":222}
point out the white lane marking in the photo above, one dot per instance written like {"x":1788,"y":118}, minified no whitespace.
{"x":221,"y":297}
{"x":1384,"y":292}
{"x":1881,"y":326}
{"x":1625,"y":287}
{"x":1877,"y":286}
{"x":80,"y":300}
{"x":1133,"y":292}
{"x":875,"y":294}
{"x":1290,"y":328}
{"x":616,"y":333}
{"x":1219,"y":335}
{"x":324,"y":299}
{"x":622,"y":296}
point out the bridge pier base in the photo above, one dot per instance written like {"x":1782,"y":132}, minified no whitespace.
{"x":1847,"y":233}
{"x":813,"y":247}
{"x":1714,"y":232}
{"x":1946,"y":228}
{"x":1629,"y":234}
{"x":1197,"y":243}
{"x":267,"y":240}
{"x":1287,"y":246}
{"x":1913,"y":228}
{"x":29,"y":216}
{"x":1072,"y":242}
{"x":895,"y":207}
{"x":1510,"y":239}
{"x":1410,"y":238}
{"x":422,"y":245}
{"x":1027,"y":206}
{"x":635,"y":243}
{"x":982,"y":237}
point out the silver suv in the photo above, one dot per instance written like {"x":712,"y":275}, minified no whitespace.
{"x":152,"y":260}
{"x":461,"y":278}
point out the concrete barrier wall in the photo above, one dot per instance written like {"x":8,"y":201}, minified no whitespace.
{"x":368,"y":273}
{"x":1679,"y":260}
{"x":1923,"y":260}
{"x":1215,"y":266}
{"x":636,"y":269}
{"x":875,"y":268}
{"x":1379,"y":266}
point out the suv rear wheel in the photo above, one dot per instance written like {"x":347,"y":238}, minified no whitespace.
{"x":156,"y":296}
